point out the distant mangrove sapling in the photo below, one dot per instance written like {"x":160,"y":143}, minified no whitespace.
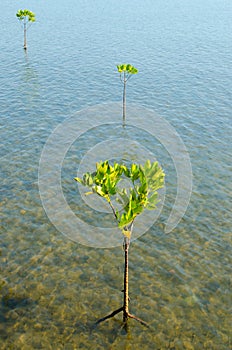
{"x":27,"y":17}
{"x":126,"y":71}
{"x":132,"y":200}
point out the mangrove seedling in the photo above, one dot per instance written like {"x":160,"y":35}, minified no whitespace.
{"x":126,"y":71}
{"x":27,"y":17}
{"x":144,"y":182}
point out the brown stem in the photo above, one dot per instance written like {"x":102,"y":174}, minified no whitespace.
{"x":139,"y":320}
{"x":113,"y":210}
{"x":25,"y":34}
{"x":126,"y":281}
{"x":125,"y":307}
{"x":124,"y":100}
{"x":115,"y":312}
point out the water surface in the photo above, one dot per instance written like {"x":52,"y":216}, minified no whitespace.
{"x":180,"y":283}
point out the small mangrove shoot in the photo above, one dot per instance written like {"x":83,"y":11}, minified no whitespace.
{"x":27,"y":17}
{"x":141,"y":193}
{"x":126,"y":71}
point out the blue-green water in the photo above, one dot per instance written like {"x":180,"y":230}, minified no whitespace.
{"x":180,"y":283}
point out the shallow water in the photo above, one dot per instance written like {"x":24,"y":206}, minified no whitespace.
{"x":180,"y":283}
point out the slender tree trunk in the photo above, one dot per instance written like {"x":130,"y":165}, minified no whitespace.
{"x":125,"y":307}
{"x":126,"y":281}
{"x":25,"y":34}
{"x":124,"y":100}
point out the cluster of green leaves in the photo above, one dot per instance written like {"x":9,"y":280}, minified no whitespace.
{"x":104,"y":180}
{"x":127,"y":68}
{"x":22,"y":14}
{"x":142,"y":193}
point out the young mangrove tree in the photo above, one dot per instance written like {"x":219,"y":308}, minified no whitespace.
{"x":144,"y":182}
{"x":27,"y":17}
{"x":126,"y":71}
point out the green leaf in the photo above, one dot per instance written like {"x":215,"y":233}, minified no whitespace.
{"x":79,"y":180}
{"x":134,"y":70}
{"x":99,"y":191}
{"x":88,"y":193}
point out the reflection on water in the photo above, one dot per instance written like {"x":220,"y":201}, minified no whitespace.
{"x":53,"y":289}
{"x":29,"y":88}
